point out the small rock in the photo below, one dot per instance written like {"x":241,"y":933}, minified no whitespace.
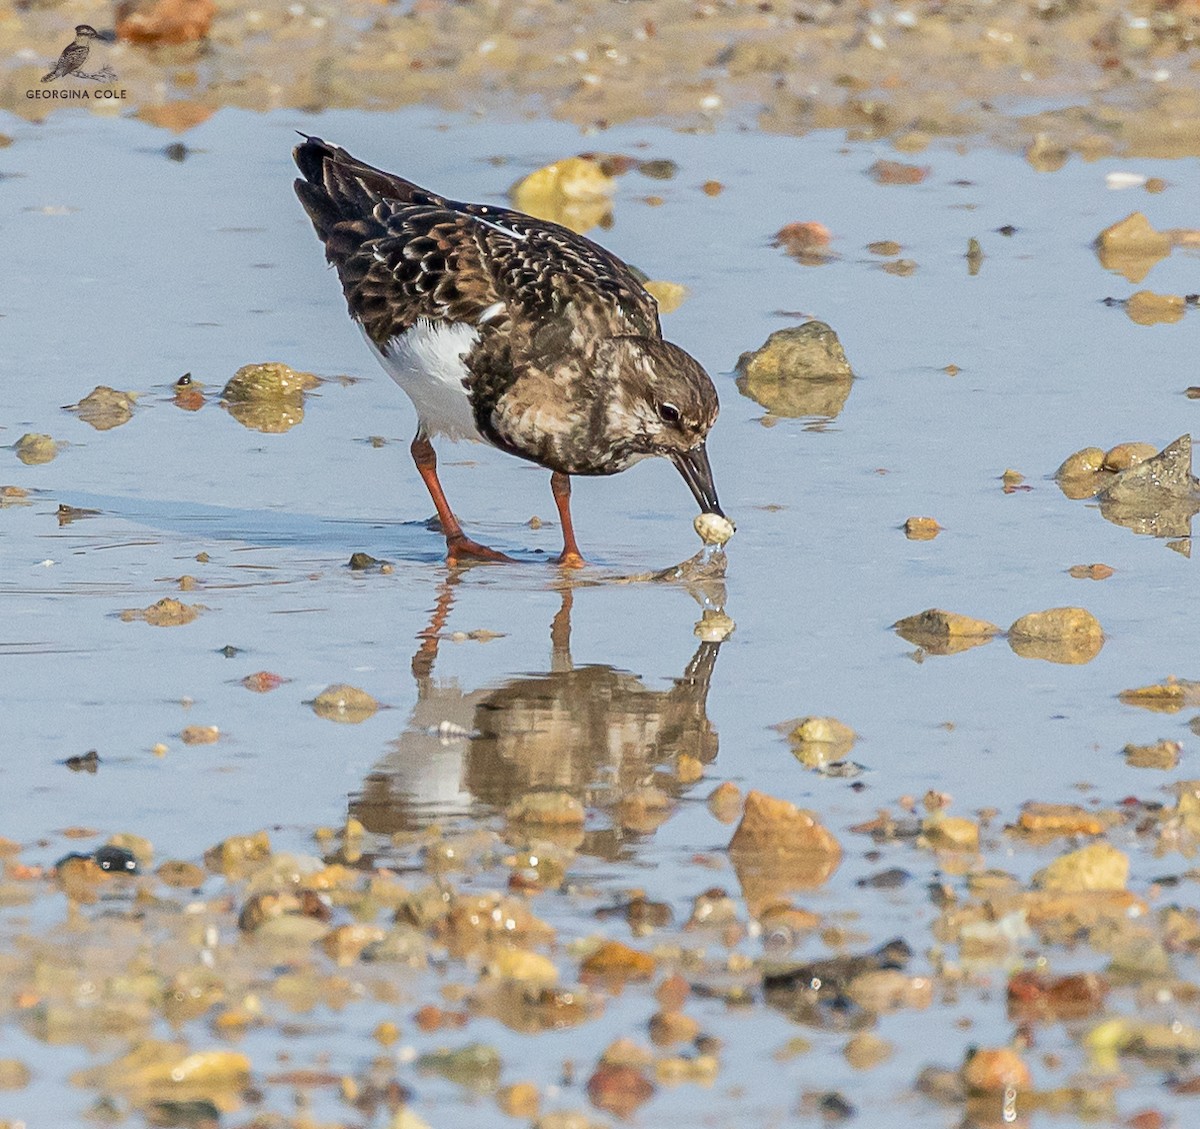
{"x":521,"y":1099}
{"x":263,"y":681}
{"x":921,"y":528}
{"x":619,"y":1090}
{"x":1098,"y":866}
{"x":1126,"y":455}
{"x":1147,"y":308}
{"x":897,"y":172}
{"x":1061,"y":635}
{"x":799,"y":371}
{"x":950,"y":832}
{"x":238,"y":854}
{"x":1161,"y":755}
{"x":164,"y":22}
{"x":343,"y":703}
{"x":669,"y":295}
{"x":550,"y":808}
{"x":200,"y":735}
{"x":1051,"y":820}
{"x":14,"y":1074}
{"x":1169,"y":696}
{"x":1065,"y":998}
{"x":995,"y":1070}
{"x":271,"y":380}
{"x":725,"y":801}
{"x":941,"y":632}
{"x":712,"y":908}
{"x":105,"y":408}
{"x":670,"y":1027}
{"x":476,"y":1066}
{"x":1081,"y":464}
{"x":817,"y":741}
{"x":805,"y":241}
{"x":168,"y":612}
{"x":777,"y":827}
{"x":575,"y":192}
{"x":867,"y":1050}
{"x":35,"y":449}
{"x":615,"y":960}
{"x":1132,"y":246}
{"x":778,"y":847}
{"x":1090,"y":572}
{"x":180,"y":875}
{"x":523,"y":965}
{"x":345,"y":943}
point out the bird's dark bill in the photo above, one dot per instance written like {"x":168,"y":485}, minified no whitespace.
{"x":697,"y":473}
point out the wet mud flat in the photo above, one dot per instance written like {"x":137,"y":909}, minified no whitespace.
{"x":1093,"y":79}
{"x":301,"y":829}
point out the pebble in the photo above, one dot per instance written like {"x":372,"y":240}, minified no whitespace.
{"x":167,"y":612}
{"x":1098,"y":866}
{"x":995,"y":1070}
{"x":921,"y":528}
{"x":344,"y":703}
{"x":35,"y":449}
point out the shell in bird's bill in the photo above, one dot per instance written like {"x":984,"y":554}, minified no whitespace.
{"x":713,"y":529}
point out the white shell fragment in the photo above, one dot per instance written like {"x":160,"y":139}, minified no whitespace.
{"x":713,"y":529}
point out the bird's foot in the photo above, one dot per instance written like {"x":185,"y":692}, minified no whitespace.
{"x":569,"y":558}
{"x":460,"y":549}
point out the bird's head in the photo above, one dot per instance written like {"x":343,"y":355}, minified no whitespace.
{"x":87,"y":31}
{"x":664,"y":403}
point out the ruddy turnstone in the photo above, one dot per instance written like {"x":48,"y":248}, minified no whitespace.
{"x":510,"y":330}
{"x":74,"y":54}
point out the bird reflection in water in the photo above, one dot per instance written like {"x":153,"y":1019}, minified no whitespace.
{"x":593,"y":731}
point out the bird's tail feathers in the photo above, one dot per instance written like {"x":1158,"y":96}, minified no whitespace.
{"x":337,"y":186}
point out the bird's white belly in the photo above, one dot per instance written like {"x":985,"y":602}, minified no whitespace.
{"x":427,"y":362}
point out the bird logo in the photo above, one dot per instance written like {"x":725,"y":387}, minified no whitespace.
{"x":75,"y":54}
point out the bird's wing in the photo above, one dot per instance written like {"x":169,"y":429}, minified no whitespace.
{"x":493,"y":268}
{"x":73,"y":56}
{"x":405,"y":254}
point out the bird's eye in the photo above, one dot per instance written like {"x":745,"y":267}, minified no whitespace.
{"x":668,"y":413}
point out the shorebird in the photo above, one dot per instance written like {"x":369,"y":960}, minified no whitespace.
{"x":509,"y":330}
{"x":74,"y":54}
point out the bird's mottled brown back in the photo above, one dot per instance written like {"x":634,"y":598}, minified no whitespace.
{"x":404,"y":254}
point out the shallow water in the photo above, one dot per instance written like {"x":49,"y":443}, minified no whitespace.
{"x":125,"y":268}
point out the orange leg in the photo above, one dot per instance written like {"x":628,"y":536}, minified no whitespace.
{"x":560,"y":485}
{"x":458,"y":545}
